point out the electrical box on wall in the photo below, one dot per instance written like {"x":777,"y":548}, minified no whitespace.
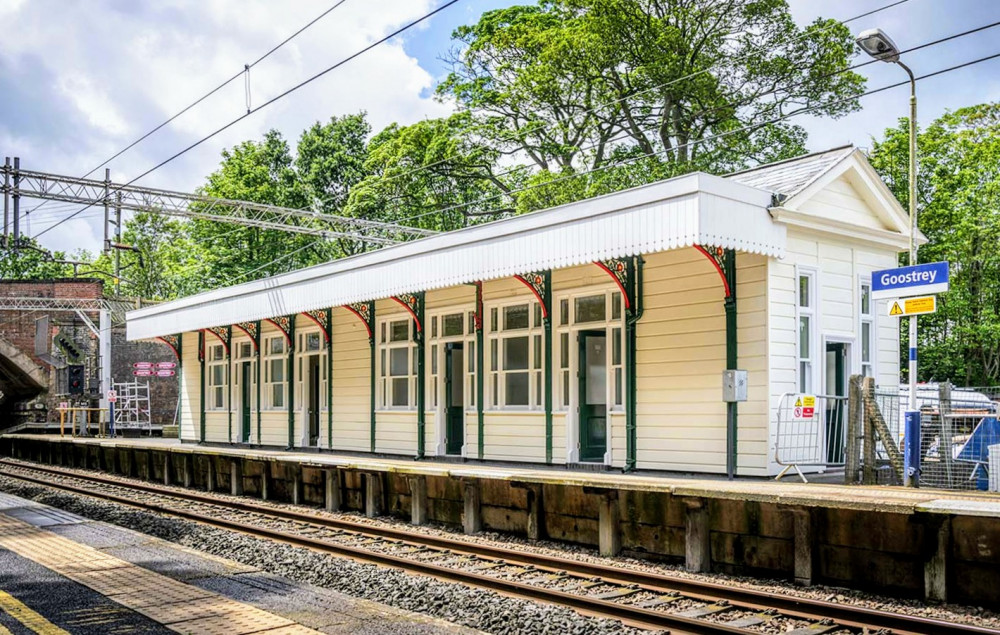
{"x":734,"y":385}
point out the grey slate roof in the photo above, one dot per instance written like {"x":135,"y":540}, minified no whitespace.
{"x":789,"y":177}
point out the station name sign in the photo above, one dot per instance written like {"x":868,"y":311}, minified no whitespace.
{"x":922,"y":279}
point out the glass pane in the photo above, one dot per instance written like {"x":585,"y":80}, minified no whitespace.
{"x":245,"y":350}
{"x":597,"y":375}
{"x":515,"y":317}
{"x":217,"y":375}
{"x":472,"y":322}
{"x":564,"y":350}
{"x":616,"y":347}
{"x":312,"y":342}
{"x":563,"y":312}
{"x":434,"y":392}
{"x":414,"y":357}
{"x":383,"y":365}
{"x":434,"y":326}
{"x":383,"y":333}
{"x":399,"y":331}
{"x":452,"y":325}
{"x":496,"y":390}
{"x":618,"y":386}
{"x":804,"y":336}
{"x":278,"y":396}
{"x":590,"y":309}
{"x":277,"y":370}
{"x":277,"y":345}
{"x":565,"y":387}
{"x":493,"y":355}
{"x":804,"y":291}
{"x":537,"y":353}
{"x":866,"y":299}
{"x":866,"y":341}
{"x":218,"y":398}
{"x":538,"y":389}
{"x":804,"y":376}
{"x":434,"y":359}
{"x":538,"y":314}
{"x":400,"y":390}
{"x":516,"y":389}
{"x":515,"y":353}
{"x":399,"y":361}
{"x":493,"y":319}
{"x":616,"y":305}
{"x":217,"y":352}
{"x":472,"y":357}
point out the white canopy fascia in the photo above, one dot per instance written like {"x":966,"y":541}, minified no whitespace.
{"x":695,"y":209}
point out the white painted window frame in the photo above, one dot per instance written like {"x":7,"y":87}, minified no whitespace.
{"x":385,"y":346}
{"x":268,"y":381}
{"x":870,"y":318}
{"x":217,"y":358}
{"x":813,"y":313}
{"x":435,"y":355}
{"x":495,"y":393}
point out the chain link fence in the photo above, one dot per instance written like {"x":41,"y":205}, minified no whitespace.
{"x":958,"y":427}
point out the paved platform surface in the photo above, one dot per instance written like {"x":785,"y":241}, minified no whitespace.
{"x":787,"y":492}
{"x":61,"y":573}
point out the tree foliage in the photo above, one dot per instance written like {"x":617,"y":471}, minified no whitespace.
{"x":958,"y":200}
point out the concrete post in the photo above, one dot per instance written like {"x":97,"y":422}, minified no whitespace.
{"x":609,"y":536}
{"x":373,"y":495}
{"x":236,"y":477}
{"x":804,"y":545}
{"x":296,"y":484}
{"x":265,"y":481}
{"x":418,"y":500}
{"x":166,"y":468}
{"x":697,"y":542}
{"x":534,"y":525}
{"x":472,"y":519}
{"x":210,"y":478}
{"x":332,"y":479}
{"x":936,"y":566}
{"x":186,"y":470}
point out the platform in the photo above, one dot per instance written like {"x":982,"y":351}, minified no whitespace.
{"x":907,"y":542}
{"x":62,"y":573}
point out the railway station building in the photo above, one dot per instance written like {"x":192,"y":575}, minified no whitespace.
{"x":591,"y":334}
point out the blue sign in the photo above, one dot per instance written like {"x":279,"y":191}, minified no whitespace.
{"x":904,"y":282}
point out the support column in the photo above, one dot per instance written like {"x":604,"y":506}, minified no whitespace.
{"x":608,"y":524}
{"x":938,"y":538}
{"x":418,"y":500}
{"x":533,"y":494}
{"x":166,"y":468}
{"x":187,"y":476}
{"x":804,"y":545}
{"x":210,"y":478}
{"x":296,"y":484}
{"x":332,"y":480}
{"x":373,"y":494}
{"x":697,"y":543}
{"x":236,"y":477}
{"x":472,"y":520}
{"x":265,"y":481}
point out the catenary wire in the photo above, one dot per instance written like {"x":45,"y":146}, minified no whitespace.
{"x":267,"y":103}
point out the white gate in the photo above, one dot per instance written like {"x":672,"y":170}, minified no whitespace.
{"x":811,"y":431}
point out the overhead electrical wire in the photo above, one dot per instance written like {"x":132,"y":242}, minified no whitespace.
{"x":706,"y":138}
{"x":244,"y":71}
{"x":282,"y":95}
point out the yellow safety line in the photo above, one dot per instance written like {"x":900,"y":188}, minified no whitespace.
{"x":32,"y":620}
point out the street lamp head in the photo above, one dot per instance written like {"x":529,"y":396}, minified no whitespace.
{"x":879,"y":45}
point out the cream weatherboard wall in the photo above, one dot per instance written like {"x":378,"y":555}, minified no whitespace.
{"x":351,"y":384}
{"x":190,"y":388}
{"x":681,"y":353}
{"x":839,"y":265}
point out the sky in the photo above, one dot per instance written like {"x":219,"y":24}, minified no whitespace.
{"x":80,"y":81}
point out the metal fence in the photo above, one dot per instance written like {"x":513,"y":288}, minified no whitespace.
{"x":958,"y":426}
{"x":811,"y":432}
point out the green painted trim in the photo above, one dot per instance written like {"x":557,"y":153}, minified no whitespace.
{"x":421,"y":379}
{"x":732,"y":361}
{"x":547,"y":324}
{"x":229,"y":379}
{"x":634,"y":289}
{"x":371,"y":346}
{"x":480,"y":375}
{"x":258,"y":343}
{"x":291,"y":382}
{"x":329,"y":377}
{"x":201,"y":361}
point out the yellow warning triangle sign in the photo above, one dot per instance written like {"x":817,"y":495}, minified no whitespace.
{"x":798,"y":402}
{"x":895,"y":310}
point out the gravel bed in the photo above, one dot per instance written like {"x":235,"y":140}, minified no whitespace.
{"x":475,"y":608}
{"x":946,"y":612}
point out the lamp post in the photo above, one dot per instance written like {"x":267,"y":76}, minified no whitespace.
{"x":880,"y":46}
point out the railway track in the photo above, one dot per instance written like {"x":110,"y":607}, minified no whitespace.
{"x":646,"y":600}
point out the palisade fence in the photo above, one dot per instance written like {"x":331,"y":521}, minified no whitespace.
{"x":959,"y":433}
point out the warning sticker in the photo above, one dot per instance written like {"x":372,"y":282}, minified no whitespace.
{"x":805,"y":407}
{"x":895,"y":309}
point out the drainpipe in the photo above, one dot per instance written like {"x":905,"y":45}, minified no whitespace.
{"x":547,"y":324}
{"x":421,"y":387}
{"x":631,"y":320}
{"x":329,"y":377}
{"x":371,"y":375}
{"x":201,"y":361}
{"x":480,"y":373}
{"x":291,"y":382}
{"x":732,"y":361}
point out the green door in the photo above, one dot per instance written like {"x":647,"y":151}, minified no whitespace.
{"x":593,"y":374}
{"x":313,"y":399}
{"x":245,"y":401}
{"x":454,"y":398}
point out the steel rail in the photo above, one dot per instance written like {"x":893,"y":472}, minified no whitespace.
{"x":790,"y":606}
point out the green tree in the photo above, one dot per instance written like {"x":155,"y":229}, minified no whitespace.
{"x":30,"y":261}
{"x":958,"y":201}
